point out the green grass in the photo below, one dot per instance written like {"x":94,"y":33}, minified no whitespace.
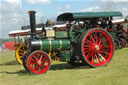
{"x":116,"y":73}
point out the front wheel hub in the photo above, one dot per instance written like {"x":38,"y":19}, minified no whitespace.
{"x":39,"y":62}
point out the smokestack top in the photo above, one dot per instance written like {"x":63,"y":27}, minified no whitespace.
{"x":31,"y":12}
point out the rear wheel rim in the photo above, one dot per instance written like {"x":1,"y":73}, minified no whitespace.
{"x":98,"y":48}
{"x":24,"y":62}
{"x":38,"y":62}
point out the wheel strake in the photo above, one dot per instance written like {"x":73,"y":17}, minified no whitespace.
{"x":97,"y":47}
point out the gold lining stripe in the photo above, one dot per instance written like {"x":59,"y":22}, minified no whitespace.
{"x":69,"y":44}
{"x":50,"y":45}
{"x":60,"y":44}
{"x":41,"y":45}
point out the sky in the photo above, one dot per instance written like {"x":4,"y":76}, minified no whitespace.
{"x":13,"y":13}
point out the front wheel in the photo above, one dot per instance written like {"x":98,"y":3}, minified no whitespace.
{"x":38,"y":62}
{"x":96,"y":47}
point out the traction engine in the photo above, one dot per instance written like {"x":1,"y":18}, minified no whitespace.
{"x":78,"y":44}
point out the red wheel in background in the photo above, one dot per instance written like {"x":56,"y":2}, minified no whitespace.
{"x":38,"y":62}
{"x":97,"y":47}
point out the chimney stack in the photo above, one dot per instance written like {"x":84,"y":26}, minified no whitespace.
{"x":32,"y":23}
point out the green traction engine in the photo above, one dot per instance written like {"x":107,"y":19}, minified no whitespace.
{"x":82,"y":42}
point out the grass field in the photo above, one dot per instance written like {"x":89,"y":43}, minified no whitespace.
{"x":116,"y":73}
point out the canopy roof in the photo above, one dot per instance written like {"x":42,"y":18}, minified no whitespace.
{"x":84,"y":15}
{"x":118,"y":21}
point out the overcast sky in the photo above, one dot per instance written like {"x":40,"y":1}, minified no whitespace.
{"x":14,"y":12}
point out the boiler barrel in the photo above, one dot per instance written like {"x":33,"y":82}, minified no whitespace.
{"x":50,"y":45}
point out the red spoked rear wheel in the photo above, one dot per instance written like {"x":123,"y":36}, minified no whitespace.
{"x":97,"y":47}
{"x":38,"y":62}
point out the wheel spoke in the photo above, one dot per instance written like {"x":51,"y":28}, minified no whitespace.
{"x":32,"y":66}
{"x":92,"y":38}
{"x":41,"y":57}
{"x":95,"y":36}
{"x":21,"y":50}
{"x":106,"y":46}
{"x":44,"y":58}
{"x":87,"y":46}
{"x":35,"y":57}
{"x":103,"y":44}
{"x":21,"y":53}
{"x":93,"y":57}
{"x":89,"y":42}
{"x":100,"y":41}
{"x":98,"y":58}
{"x":20,"y":56}
{"x":100,"y":38}
{"x":104,"y":40}
{"x":89,"y":55}
{"x":102,"y":57}
{"x":33,"y":60}
{"x":87,"y":51}
{"x":41,"y":66}
{"x":103,"y":49}
{"x":37,"y":69}
{"x":105,"y":52}
{"x":45,"y":61}
{"x":105,"y":55}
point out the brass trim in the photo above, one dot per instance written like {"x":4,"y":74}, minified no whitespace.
{"x":60,"y":44}
{"x":50,"y":45}
{"x":49,"y":54}
{"x":41,"y":45}
{"x":50,"y":33}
